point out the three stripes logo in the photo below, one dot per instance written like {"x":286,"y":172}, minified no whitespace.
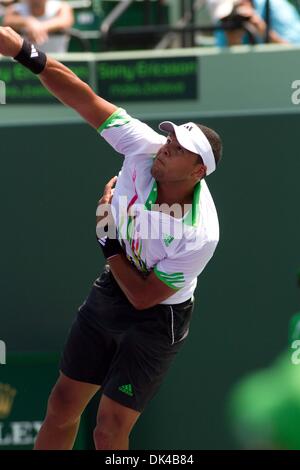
{"x":189,"y":128}
{"x":126,"y":389}
{"x":34,"y":52}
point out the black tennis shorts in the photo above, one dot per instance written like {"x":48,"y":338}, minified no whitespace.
{"x":126,"y":351}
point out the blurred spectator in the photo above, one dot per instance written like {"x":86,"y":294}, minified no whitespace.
{"x":2,"y":10}
{"x":264,"y":407}
{"x":3,"y":5}
{"x":285,"y":20}
{"x":42,"y":21}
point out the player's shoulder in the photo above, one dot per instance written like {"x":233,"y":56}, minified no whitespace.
{"x":120,"y":119}
{"x":129,"y":135}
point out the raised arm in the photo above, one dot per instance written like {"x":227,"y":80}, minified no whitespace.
{"x":75,"y":93}
{"x":62,"y":83}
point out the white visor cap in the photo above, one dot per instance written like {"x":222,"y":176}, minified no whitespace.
{"x":191,"y":137}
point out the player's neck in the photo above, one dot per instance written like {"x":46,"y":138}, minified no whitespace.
{"x":175,"y":192}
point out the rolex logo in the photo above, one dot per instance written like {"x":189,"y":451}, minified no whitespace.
{"x":7,"y":395}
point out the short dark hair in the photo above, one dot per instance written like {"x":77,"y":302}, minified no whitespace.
{"x":215,"y":141}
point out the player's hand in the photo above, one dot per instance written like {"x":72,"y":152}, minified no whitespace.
{"x":10,"y":42}
{"x":103,"y":209}
{"x":105,"y":225}
{"x":108,"y":191}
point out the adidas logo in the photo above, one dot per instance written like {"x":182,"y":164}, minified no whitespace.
{"x":34,"y":52}
{"x":126,"y":389}
{"x":168,"y":239}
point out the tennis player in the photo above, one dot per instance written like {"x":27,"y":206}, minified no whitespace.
{"x":137,"y":315}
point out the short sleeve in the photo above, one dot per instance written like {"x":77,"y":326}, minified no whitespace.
{"x":130,"y":136}
{"x":180,"y":271}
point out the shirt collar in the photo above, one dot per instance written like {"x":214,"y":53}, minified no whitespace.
{"x":193,"y":215}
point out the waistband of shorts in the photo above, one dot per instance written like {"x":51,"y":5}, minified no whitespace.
{"x":182,"y":304}
{"x":179,"y":305}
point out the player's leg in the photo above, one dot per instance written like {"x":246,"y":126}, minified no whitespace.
{"x":84,"y":363}
{"x":114,"y":424}
{"x":66,"y":403}
{"x":138,"y":369}
{"x":86,"y":358}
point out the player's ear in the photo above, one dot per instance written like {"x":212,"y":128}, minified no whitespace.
{"x":204,"y":169}
{"x":199,"y":171}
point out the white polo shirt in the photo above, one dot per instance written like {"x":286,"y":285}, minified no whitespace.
{"x":177,"y":249}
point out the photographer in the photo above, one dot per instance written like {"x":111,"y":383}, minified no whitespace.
{"x":248,"y":21}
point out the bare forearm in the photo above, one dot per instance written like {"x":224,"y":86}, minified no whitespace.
{"x":73,"y":92}
{"x":132,"y":283}
{"x":64,"y":84}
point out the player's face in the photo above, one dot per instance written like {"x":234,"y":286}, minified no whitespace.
{"x":173,"y":162}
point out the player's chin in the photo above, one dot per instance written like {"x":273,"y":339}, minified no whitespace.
{"x":156,"y":172}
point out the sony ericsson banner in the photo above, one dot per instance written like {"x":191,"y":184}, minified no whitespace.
{"x":148,"y":79}
{"x":161,"y":79}
{"x":23,"y":87}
